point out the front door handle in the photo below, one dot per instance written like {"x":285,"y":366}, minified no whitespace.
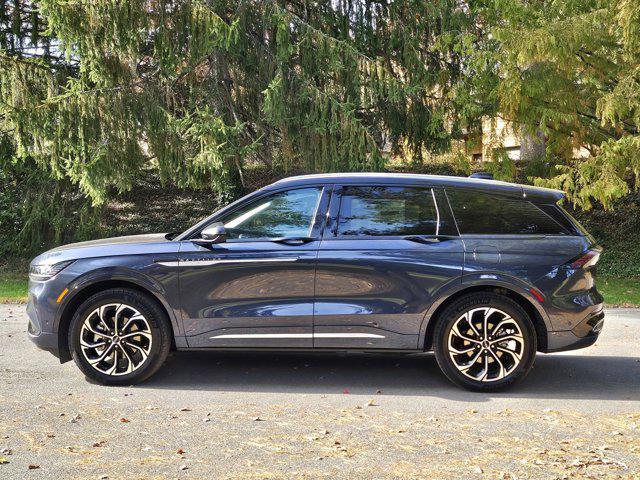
{"x":293,"y":241}
{"x":166,"y":259}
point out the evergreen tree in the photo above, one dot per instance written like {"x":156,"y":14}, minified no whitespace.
{"x":203,"y":89}
{"x":35,"y":209}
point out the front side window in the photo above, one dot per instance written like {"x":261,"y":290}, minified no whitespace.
{"x":486,"y":213}
{"x":281,"y":215}
{"x":387,"y":211}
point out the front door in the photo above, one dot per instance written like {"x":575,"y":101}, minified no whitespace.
{"x":381,"y":262}
{"x":256,"y":289}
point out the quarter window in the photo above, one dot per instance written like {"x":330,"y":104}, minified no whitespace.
{"x":284,"y":214}
{"x":387,"y":211}
{"x":486,"y":213}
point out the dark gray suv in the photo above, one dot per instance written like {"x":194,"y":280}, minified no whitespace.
{"x":483,"y":273}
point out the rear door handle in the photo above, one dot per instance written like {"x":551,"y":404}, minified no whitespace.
{"x":428,"y":239}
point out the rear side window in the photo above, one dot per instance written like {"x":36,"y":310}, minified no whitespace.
{"x":389,"y":211}
{"x":486,"y":213}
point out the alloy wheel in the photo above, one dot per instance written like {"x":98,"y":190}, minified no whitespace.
{"x":115,"y":339}
{"x":485,"y":344}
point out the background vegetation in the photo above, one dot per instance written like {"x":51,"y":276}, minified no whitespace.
{"x":122,"y":117}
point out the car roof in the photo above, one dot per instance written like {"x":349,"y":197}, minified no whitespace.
{"x":494,"y":186}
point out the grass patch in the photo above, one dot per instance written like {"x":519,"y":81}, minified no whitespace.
{"x":622,"y":292}
{"x":13,"y":290}
{"x":13,"y":280}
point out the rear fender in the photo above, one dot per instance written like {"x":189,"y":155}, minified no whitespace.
{"x":474,"y":280}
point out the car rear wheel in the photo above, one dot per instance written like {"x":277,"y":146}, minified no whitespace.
{"x":119,"y":337}
{"x":485,"y":342}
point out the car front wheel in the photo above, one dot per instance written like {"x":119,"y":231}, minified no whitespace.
{"x":484,"y":342}
{"x":119,"y":337}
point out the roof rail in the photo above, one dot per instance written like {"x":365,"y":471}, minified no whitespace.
{"x":482,"y":175}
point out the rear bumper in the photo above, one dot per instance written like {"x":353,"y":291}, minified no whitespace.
{"x":583,"y":335}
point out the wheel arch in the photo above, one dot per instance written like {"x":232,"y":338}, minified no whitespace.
{"x":84,"y":291}
{"x":535,"y":312}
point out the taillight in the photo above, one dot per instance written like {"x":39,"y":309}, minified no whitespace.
{"x":588,"y":259}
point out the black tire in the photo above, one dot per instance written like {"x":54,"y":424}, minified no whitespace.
{"x":161,"y":335}
{"x":455,"y":311}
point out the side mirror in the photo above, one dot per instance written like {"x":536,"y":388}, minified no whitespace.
{"x":215,"y":233}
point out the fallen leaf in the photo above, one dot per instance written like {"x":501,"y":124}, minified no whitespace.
{"x":124,"y":420}
{"x":180,"y":451}
{"x":33,"y":467}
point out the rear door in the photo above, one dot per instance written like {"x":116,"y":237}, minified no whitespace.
{"x":384,"y":254}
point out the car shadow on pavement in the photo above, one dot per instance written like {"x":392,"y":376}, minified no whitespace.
{"x":553,"y":376}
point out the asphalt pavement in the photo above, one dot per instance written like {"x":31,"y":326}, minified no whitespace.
{"x":272,"y":415}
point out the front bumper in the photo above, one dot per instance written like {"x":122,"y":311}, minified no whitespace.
{"x":41,"y":308}
{"x":45,"y":340}
{"x":582,"y":335}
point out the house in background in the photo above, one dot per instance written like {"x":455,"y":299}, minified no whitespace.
{"x":498,"y":133}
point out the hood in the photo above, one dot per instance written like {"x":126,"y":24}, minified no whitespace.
{"x":145,"y":238}
{"x":128,"y":245}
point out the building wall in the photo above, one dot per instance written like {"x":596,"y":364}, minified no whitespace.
{"x":499,"y":133}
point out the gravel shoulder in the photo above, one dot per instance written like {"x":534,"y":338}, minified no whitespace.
{"x":243,"y":415}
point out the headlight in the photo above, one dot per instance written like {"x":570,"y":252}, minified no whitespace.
{"x":45,"y":272}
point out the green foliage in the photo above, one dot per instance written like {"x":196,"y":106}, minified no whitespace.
{"x":97,"y":94}
{"x":618,"y":231}
{"x":571,"y":69}
{"x":501,"y":166}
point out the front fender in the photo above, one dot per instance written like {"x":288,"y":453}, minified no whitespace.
{"x":125,"y":275}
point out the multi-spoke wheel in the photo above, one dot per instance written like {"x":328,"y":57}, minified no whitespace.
{"x":115,"y":339}
{"x":485,"y":341}
{"x":119,"y":337}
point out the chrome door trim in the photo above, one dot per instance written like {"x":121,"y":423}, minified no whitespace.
{"x":204,"y":263}
{"x":297,"y":335}
{"x":347,"y":335}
